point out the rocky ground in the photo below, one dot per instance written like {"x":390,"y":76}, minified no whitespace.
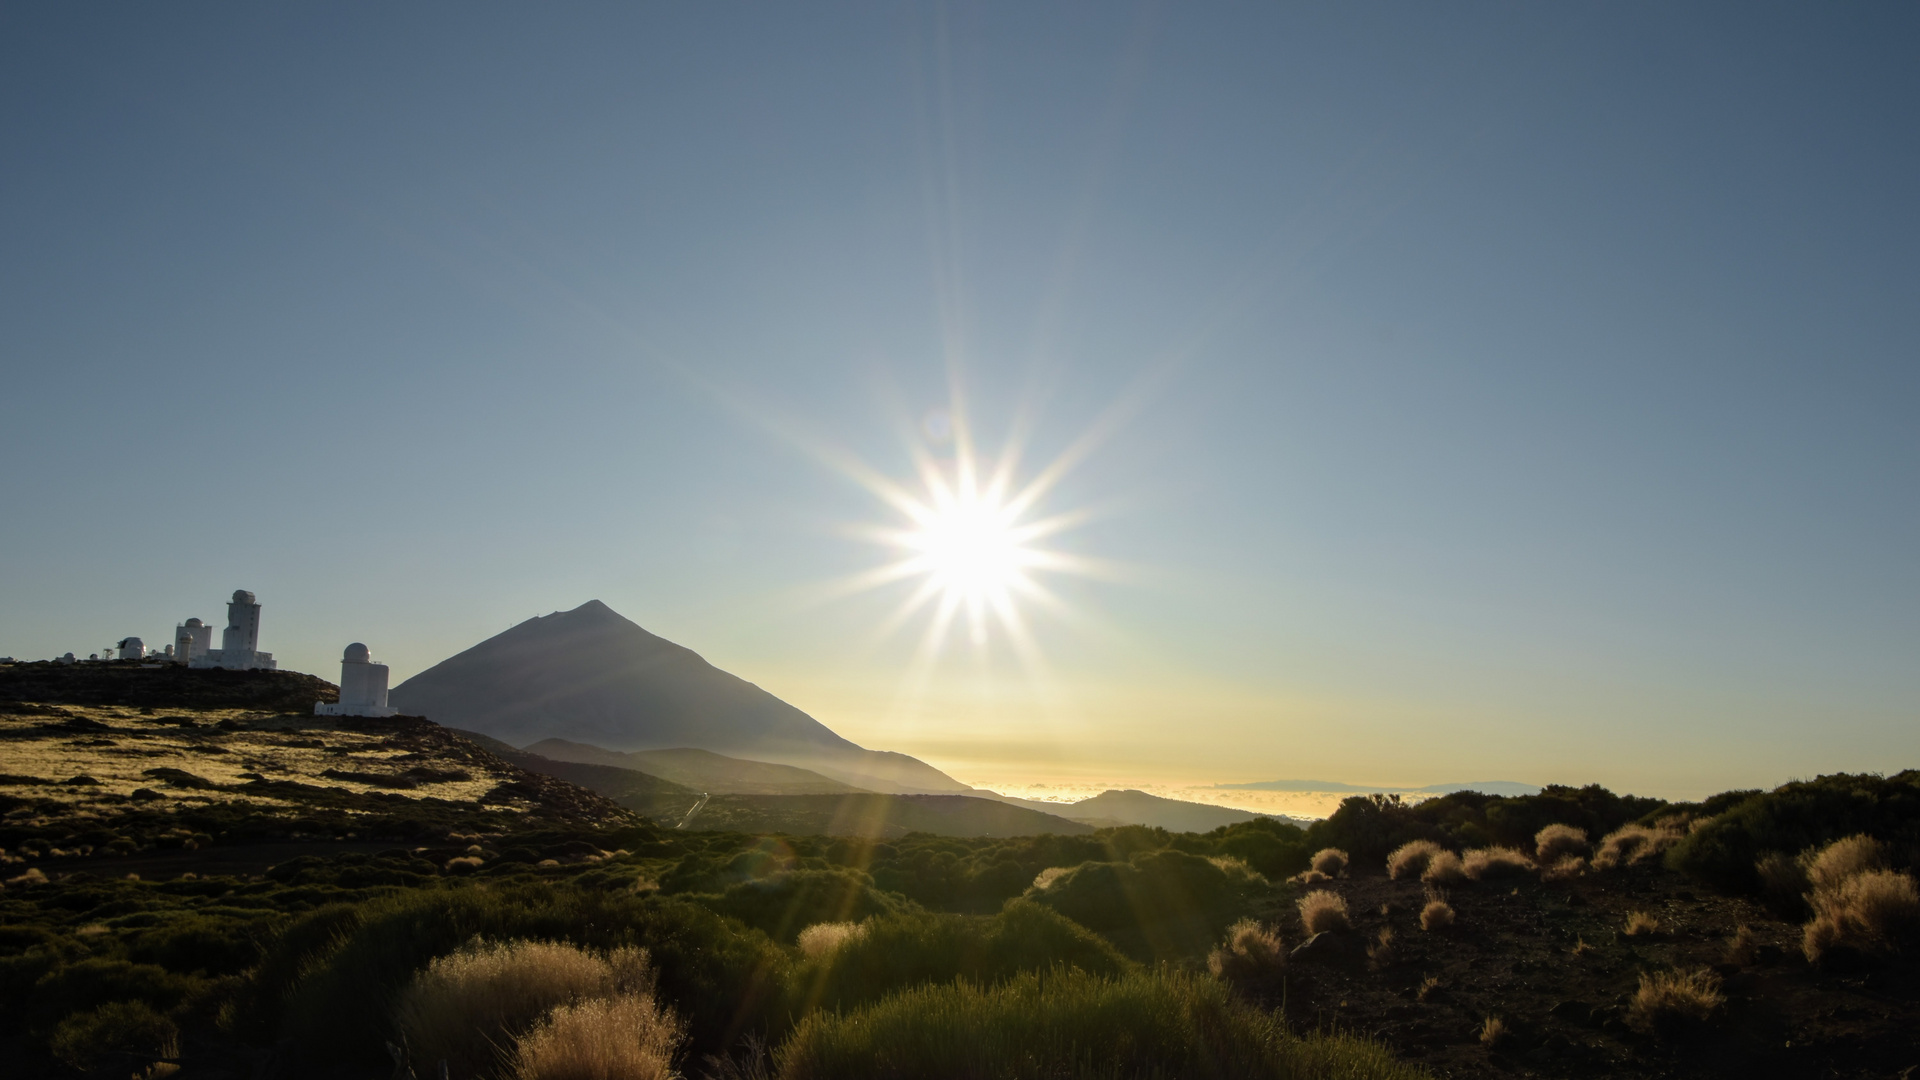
{"x":1555,"y":963}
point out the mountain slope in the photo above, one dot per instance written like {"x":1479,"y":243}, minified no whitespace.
{"x":699,"y":770}
{"x":1140,"y":808}
{"x":589,"y":675}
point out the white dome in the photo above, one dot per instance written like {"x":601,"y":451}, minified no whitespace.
{"x":242,"y":596}
{"x":356,"y":654}
{"x":195,"y":622}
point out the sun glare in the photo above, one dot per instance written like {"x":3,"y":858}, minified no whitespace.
{"x":969,"y":541}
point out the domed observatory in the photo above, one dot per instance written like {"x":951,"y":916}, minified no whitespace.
{"x":191,"y":640}
{"x":363,"y":687}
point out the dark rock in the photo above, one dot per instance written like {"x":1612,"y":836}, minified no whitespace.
{"x":1572,"y":1010}
{"x":1326,"y":947}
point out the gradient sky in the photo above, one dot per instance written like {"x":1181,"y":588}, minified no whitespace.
{"x":1519,"y":391}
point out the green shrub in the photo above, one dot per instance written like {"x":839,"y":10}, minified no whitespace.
{"x":118,"y":1027}
{"x":724,"y":978}
{"x":1160,"y":904}
{"x":1797,"y":816}
{"x":906,"y":950}
{"x":1272,"y":847}
{"x":199,"y":944}
{"x":787,"y":903}
{"x":1071,"y":1024}
{"x":89,"y":984}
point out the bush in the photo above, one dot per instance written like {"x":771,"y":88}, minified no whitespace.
{"x":1668,"y":1001}
{"x":724,"y":978}
{"x":785,"y":903}
{"x":1071,"y":1025}
{"x":1797,"y":816}
{"x":1568,"y":868}
{"x":1556,"y":842}
{"x":1165,"y":904}
{"x":466,"y":1006}
{"x":895,"y":952}
{"x":1329,"y":861}
{"x":1876,"y":912}
{"x":1444,"y":868}
{"x":1493,"y":1032}
{"x":1437,"y":915}
{"x":1251,"y":952}
{"x":1641,"y":924}
{"x":1323,"y":910}
{"x":1483,"y":864}
{"x":119,"y":1026}
{"x":627,"y":1037}
{"x":1830,"y":867}
{"x":1411,"y":858}
{"x":1783,"y":881}
{"x":1632,"y":843}
{"x":824,"y":939}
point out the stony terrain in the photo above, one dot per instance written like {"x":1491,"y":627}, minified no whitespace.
{"x":1554,"y":961}
{"x":86,"y":783}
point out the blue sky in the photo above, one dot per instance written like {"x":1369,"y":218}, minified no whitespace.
{"x":1488,"y":390}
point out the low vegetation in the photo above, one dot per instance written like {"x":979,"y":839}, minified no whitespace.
{"x":1071,"y":1025}
{"x":1668,"y":1001}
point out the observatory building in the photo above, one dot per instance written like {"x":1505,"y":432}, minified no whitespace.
{"x":240,"y":642}
{"x":363,"y":687}
{"x":191,"y":640}
{"x":132,"y":649}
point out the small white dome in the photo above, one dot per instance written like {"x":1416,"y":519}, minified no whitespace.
{"x":196,"y":623}
{"x":357,"y":654}
{"x":242,"y":596}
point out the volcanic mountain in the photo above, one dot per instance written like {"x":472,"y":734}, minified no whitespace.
{"x":591,"y":676}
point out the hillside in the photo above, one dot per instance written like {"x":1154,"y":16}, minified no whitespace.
{"x":700,"y":770}
{"x":878,"y":816}
{"x":209,"y":765}
{"x":1140,"y":808}
{"x":591,"y":676}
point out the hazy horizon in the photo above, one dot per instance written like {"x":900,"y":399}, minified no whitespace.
{"x":1405,"y":394}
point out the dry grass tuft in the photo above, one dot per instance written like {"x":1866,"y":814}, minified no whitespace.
{"x":1381,"y":954}
{"x":33,"y":876}
{"x":1437,"y":915}
{"x":1493,"y":1032}
{"x":824,"y":939}
{"x":1311,"y":878}
{"x":1567,"y":868}
{"x":1429,"y":986}
{"x":1630,"y":844}
{"x":1642,"y":923}
{"x":1783,"y":881}
{"x":1482,"y":864}
{"x":461,"y":863}
{"x":1668,"y":1000}
{"x":1580,"y":947}
{"x":1252,"y":951}
{"x":1444,"y":868}
{"x":464,"y":1007}
{"x":1556,"y":842}
{"x":1410,"y":859}
{"x":1044,"y":879}
{"x":1827,"y":869}
{"x":1329,"y":861}
{"x":1743,"y":947}
{"x":1875,"y":912}
{"x":622,"y":1038}
{"x":1323,"y":910}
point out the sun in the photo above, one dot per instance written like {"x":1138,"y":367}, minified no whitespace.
{"x":969,"y":545}
{"x":969,"y":541}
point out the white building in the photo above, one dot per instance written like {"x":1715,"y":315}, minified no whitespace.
{"x":363,"y":687}
{"x":191,"y":640}
{"x":240,"y":642}
{"x":132,"y":649}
